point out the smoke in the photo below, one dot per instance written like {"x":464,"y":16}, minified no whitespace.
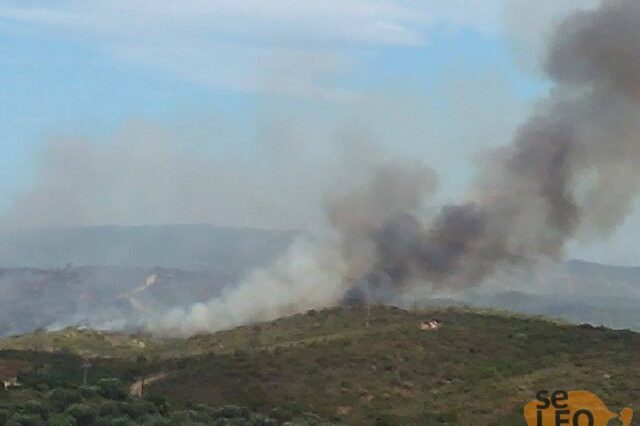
{"x":570,"y":169}
{"x":530,"y":25}
{"x":151,"y":174}
{"x":306,"y":277}
{"x":549,"y":184}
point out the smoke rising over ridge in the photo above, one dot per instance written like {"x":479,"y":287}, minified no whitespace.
{"x":571,"y":168}
{"x":551,"y":182}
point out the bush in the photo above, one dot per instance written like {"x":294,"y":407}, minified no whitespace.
{"x":156,"y":420}
{"x":89,"y":391}
{"x":61,"y":420}
{"x":27,"y":419}
{"x":4,"y":416}
{"x":83,"y":414}
{"x":112,"y":389}
{"x":35,"y":408}
{"x":61,"y":398}
{"x":162,"y":405}
{"x":115,"y":421}
{"x":261,"y":420}
{"x":113,"y":409}
{"x":141,"y":408}
{"x":280,"y":414}
{"x":429,"y":418}
{"x":42,"y":387}
{"x":232,"y":411}
{"x":190,"y":417}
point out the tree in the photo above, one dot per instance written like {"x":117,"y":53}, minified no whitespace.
{"x":112,"y":389}
{"x":61,"y":420}
{"x":83,"y":414}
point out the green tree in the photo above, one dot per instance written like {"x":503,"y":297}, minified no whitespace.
{"x":61,"y":420}
{"x":61,"y":398}
{"x":112,"y":389}
{"x":84,"y":414}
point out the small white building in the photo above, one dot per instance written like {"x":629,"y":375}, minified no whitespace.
{"x":429,"y":325}
{"x":11,"y":383}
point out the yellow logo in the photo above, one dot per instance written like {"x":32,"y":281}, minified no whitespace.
{"x":576,"y":408}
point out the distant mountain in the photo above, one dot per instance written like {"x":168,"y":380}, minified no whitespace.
{"x":187,"y":247}
{"x":105,"y":297}
{"x":598,"y":271}
{"x":112,"y":276}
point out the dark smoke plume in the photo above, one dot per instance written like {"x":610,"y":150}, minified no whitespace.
{"x":572,"y":166}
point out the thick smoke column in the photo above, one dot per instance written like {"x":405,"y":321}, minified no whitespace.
{"x":572,"y":167}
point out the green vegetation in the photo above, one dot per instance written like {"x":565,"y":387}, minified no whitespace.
{"x":108,"y":403}
{"x":88,"y":343}
{"x":480,"y":368}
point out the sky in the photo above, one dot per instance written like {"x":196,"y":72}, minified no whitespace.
{"x":250,"y":105}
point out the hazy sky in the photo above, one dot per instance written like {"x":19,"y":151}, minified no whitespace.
{"x":250,"y":104}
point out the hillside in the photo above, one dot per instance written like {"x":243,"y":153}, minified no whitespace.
{"x":109,"y":297}
{"x":478,"y":366}
{"x":124,"y":297}
{"x":382,"y":369}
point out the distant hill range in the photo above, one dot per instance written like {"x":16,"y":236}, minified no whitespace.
{"x":590,"y":270}
{"x":111,"y":277}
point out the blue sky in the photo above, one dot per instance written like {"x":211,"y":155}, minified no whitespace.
{"x":456,"y":76}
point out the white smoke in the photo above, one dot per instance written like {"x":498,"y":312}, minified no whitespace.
{"x":308,"y":276}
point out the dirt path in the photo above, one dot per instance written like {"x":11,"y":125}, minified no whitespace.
{"x":137,"y":387}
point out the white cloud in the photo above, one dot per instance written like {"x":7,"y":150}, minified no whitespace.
{"x":251,"y":45}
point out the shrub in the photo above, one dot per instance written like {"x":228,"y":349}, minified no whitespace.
{"x":156,"y":420}
{"x":4,"y":416}
{"x":280,"y":414}
{"x":112,"y":389}
{"x":190,"y":417}
{"x":260,"y":420}
{"x":162,"y":405}
{"x":61,"y":398}
{"x":83,"y":414}
{"x":36,"y":408}
{"x":121,"y":421}
{"x":89,"y":391}
{"x":141,"y":408}
{"x":27,"y":419}
{"x":61,"y":420}
{"x":232,"y":411}
{"x":112,"y":409}
{"x":434,"y":419}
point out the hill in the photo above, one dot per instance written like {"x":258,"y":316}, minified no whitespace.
{"x":106,"y":297}
{"x":113,"y":277}
{"x":124,"y":297}
{"x":480,"y":367}
{"x":120,"y":278}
